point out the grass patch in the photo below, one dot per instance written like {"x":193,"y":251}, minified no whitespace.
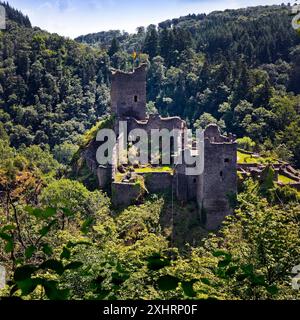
{"x":285,"y":180}
{"x":119,"y":177}
{"x":249,"y":158}
{"x":106,"y":123}
{"x":154,"y":169}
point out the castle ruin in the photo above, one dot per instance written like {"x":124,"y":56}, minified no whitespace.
{"x":211,"y":190}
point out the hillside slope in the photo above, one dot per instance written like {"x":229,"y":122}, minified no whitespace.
{"x":239,"y":68}
{"x":52,"y":89}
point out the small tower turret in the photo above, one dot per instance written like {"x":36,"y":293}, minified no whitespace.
{"x":128,"y":93}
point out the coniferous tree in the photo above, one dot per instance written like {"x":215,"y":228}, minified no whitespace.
{"x":114,"y":48}
{"x":151,"y":42}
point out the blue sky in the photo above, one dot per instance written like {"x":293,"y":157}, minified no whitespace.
{"x":76,"y":17}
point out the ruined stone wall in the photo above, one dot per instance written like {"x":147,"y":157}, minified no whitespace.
{"x":158,"y":182}
{"x":293,"y":171}
{"x":213,"y":134}
{"x":181,"y":187}
{"x":295,"y":185}
{"x":104,"y":175}
{"x":128,"y":93}
{"x":155,"y":121}
{"x":192,"y":183}
{"x":158,"y":123}
{"x":185,"y":186}
{"x":289,"y":174}
{"x":124,"y":194}
{"x":89,"y":155}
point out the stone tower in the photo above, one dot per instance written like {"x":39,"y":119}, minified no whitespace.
{"x":218,"y":183}
{"x":128,"y":93}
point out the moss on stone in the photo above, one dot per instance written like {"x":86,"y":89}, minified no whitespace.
{"x":90,"y":135}
{"x":140,"y":183}
{"x":80,"y":168}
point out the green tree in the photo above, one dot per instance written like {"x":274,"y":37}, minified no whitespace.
{"x":114,"y":47}
{"x":151,"y":42}
{"x":246,"y":143}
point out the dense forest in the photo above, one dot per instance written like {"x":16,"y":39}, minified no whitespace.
{"x":60,"y":239}
{"x":239,"y":68}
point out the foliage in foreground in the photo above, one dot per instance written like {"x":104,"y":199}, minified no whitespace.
{"x":80,"y":249}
